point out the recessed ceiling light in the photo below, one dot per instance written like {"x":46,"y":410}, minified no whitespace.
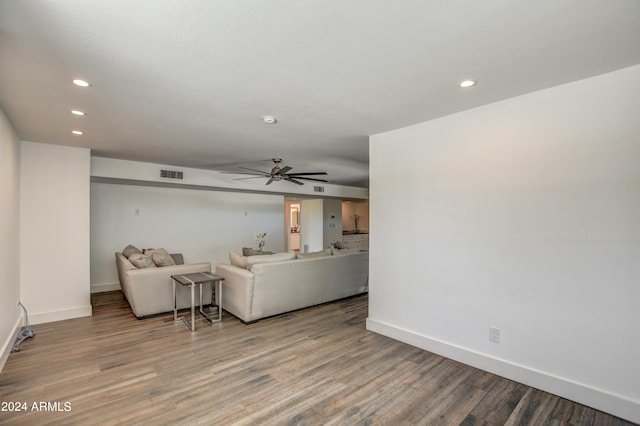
{"x":468,"y":83}
{"x":80,"y":83}
{"x":77,"y":132}
{"x":76,"y":112}
{"x":269,"y":119}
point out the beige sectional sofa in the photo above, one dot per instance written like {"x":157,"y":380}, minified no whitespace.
{"x":149,"y":290}
{"x":281,"y":283}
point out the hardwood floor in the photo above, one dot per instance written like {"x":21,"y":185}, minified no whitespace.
{"x":317,"y":366}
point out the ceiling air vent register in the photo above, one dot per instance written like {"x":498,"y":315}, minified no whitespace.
{"x":171,"y":174}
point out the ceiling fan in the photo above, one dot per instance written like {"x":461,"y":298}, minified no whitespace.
{"x":277,"y":174}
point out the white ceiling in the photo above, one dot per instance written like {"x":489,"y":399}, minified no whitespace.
{"x":187,"y":83}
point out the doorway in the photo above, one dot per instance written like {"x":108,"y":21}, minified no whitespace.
{"x":293,"y":225}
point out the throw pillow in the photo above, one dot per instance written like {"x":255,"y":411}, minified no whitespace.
{"x":141,"y":261}
{"x":314,"y":254}
{"x":129,"y":250}
{"x":149,"y":252}
{"x":276,"y":257}
{"x":161,"y":259}
{"x":337,"y":244}
{"x":237,"y":260}
{"x":247,"y":251}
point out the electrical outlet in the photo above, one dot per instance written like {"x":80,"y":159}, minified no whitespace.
{"x":494,"y":334}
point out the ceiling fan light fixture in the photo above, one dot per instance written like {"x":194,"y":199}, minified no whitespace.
{"x":269,"y":119}
{"x":467,"y":83}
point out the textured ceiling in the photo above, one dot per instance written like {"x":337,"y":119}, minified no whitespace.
{"x":187,"y":83}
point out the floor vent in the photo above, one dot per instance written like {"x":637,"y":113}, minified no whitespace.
{"x":171,"y":174}
{"x":318,"y":189}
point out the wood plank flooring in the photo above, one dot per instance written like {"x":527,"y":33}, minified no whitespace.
{"x":317,"y":366}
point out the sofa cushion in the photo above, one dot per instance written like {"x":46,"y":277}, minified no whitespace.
{"x":247,"y":251}
{"x":276,"y":257}
{"x":141,"y":261}
{"x":313,"y":254}
{"x":129,"y":250}
{"x":238,"y":260}
{"x":345,"y":251}
{"x":162,"y":259}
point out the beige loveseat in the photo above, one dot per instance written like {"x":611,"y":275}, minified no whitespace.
{"x":149,"y":290}
{"x":271,"y":288}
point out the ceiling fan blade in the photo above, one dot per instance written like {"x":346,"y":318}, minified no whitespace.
{"x":252,"y":177}
{"x":284,"y":170}
{"x":269,"y":181}
{"x":306,"y":178}
{"x":293,"y":180}
{"x":307,"y":173}
{"x":254,"y":170}
{"x":244,"y":173}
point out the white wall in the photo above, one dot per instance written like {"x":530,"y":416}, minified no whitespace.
{"x":522,"y":215}
{"x":10,"y":319}
{"x":332,"y":221}
{"x":54,"y":229}
{"x":203,"y":225}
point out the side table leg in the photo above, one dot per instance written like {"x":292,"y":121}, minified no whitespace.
{"x":175,"y":304}
{"x":219,"y":300}
{"x":201,"y":310}
{"x":213,"y":301}
{"x":193,"y":307}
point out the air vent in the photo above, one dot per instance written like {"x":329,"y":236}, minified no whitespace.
{"x":171,"y":174}
{"x":318,"y":189}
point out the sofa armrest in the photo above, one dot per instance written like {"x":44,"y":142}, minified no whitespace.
{"x":237,"y":290}
{"x":150,"y":291}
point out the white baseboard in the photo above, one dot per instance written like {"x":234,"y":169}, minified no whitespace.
{"x":8,"y":344}
{"x":599,"y":399}
{"x":63,"y":314}
{"x":101,"y":288}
